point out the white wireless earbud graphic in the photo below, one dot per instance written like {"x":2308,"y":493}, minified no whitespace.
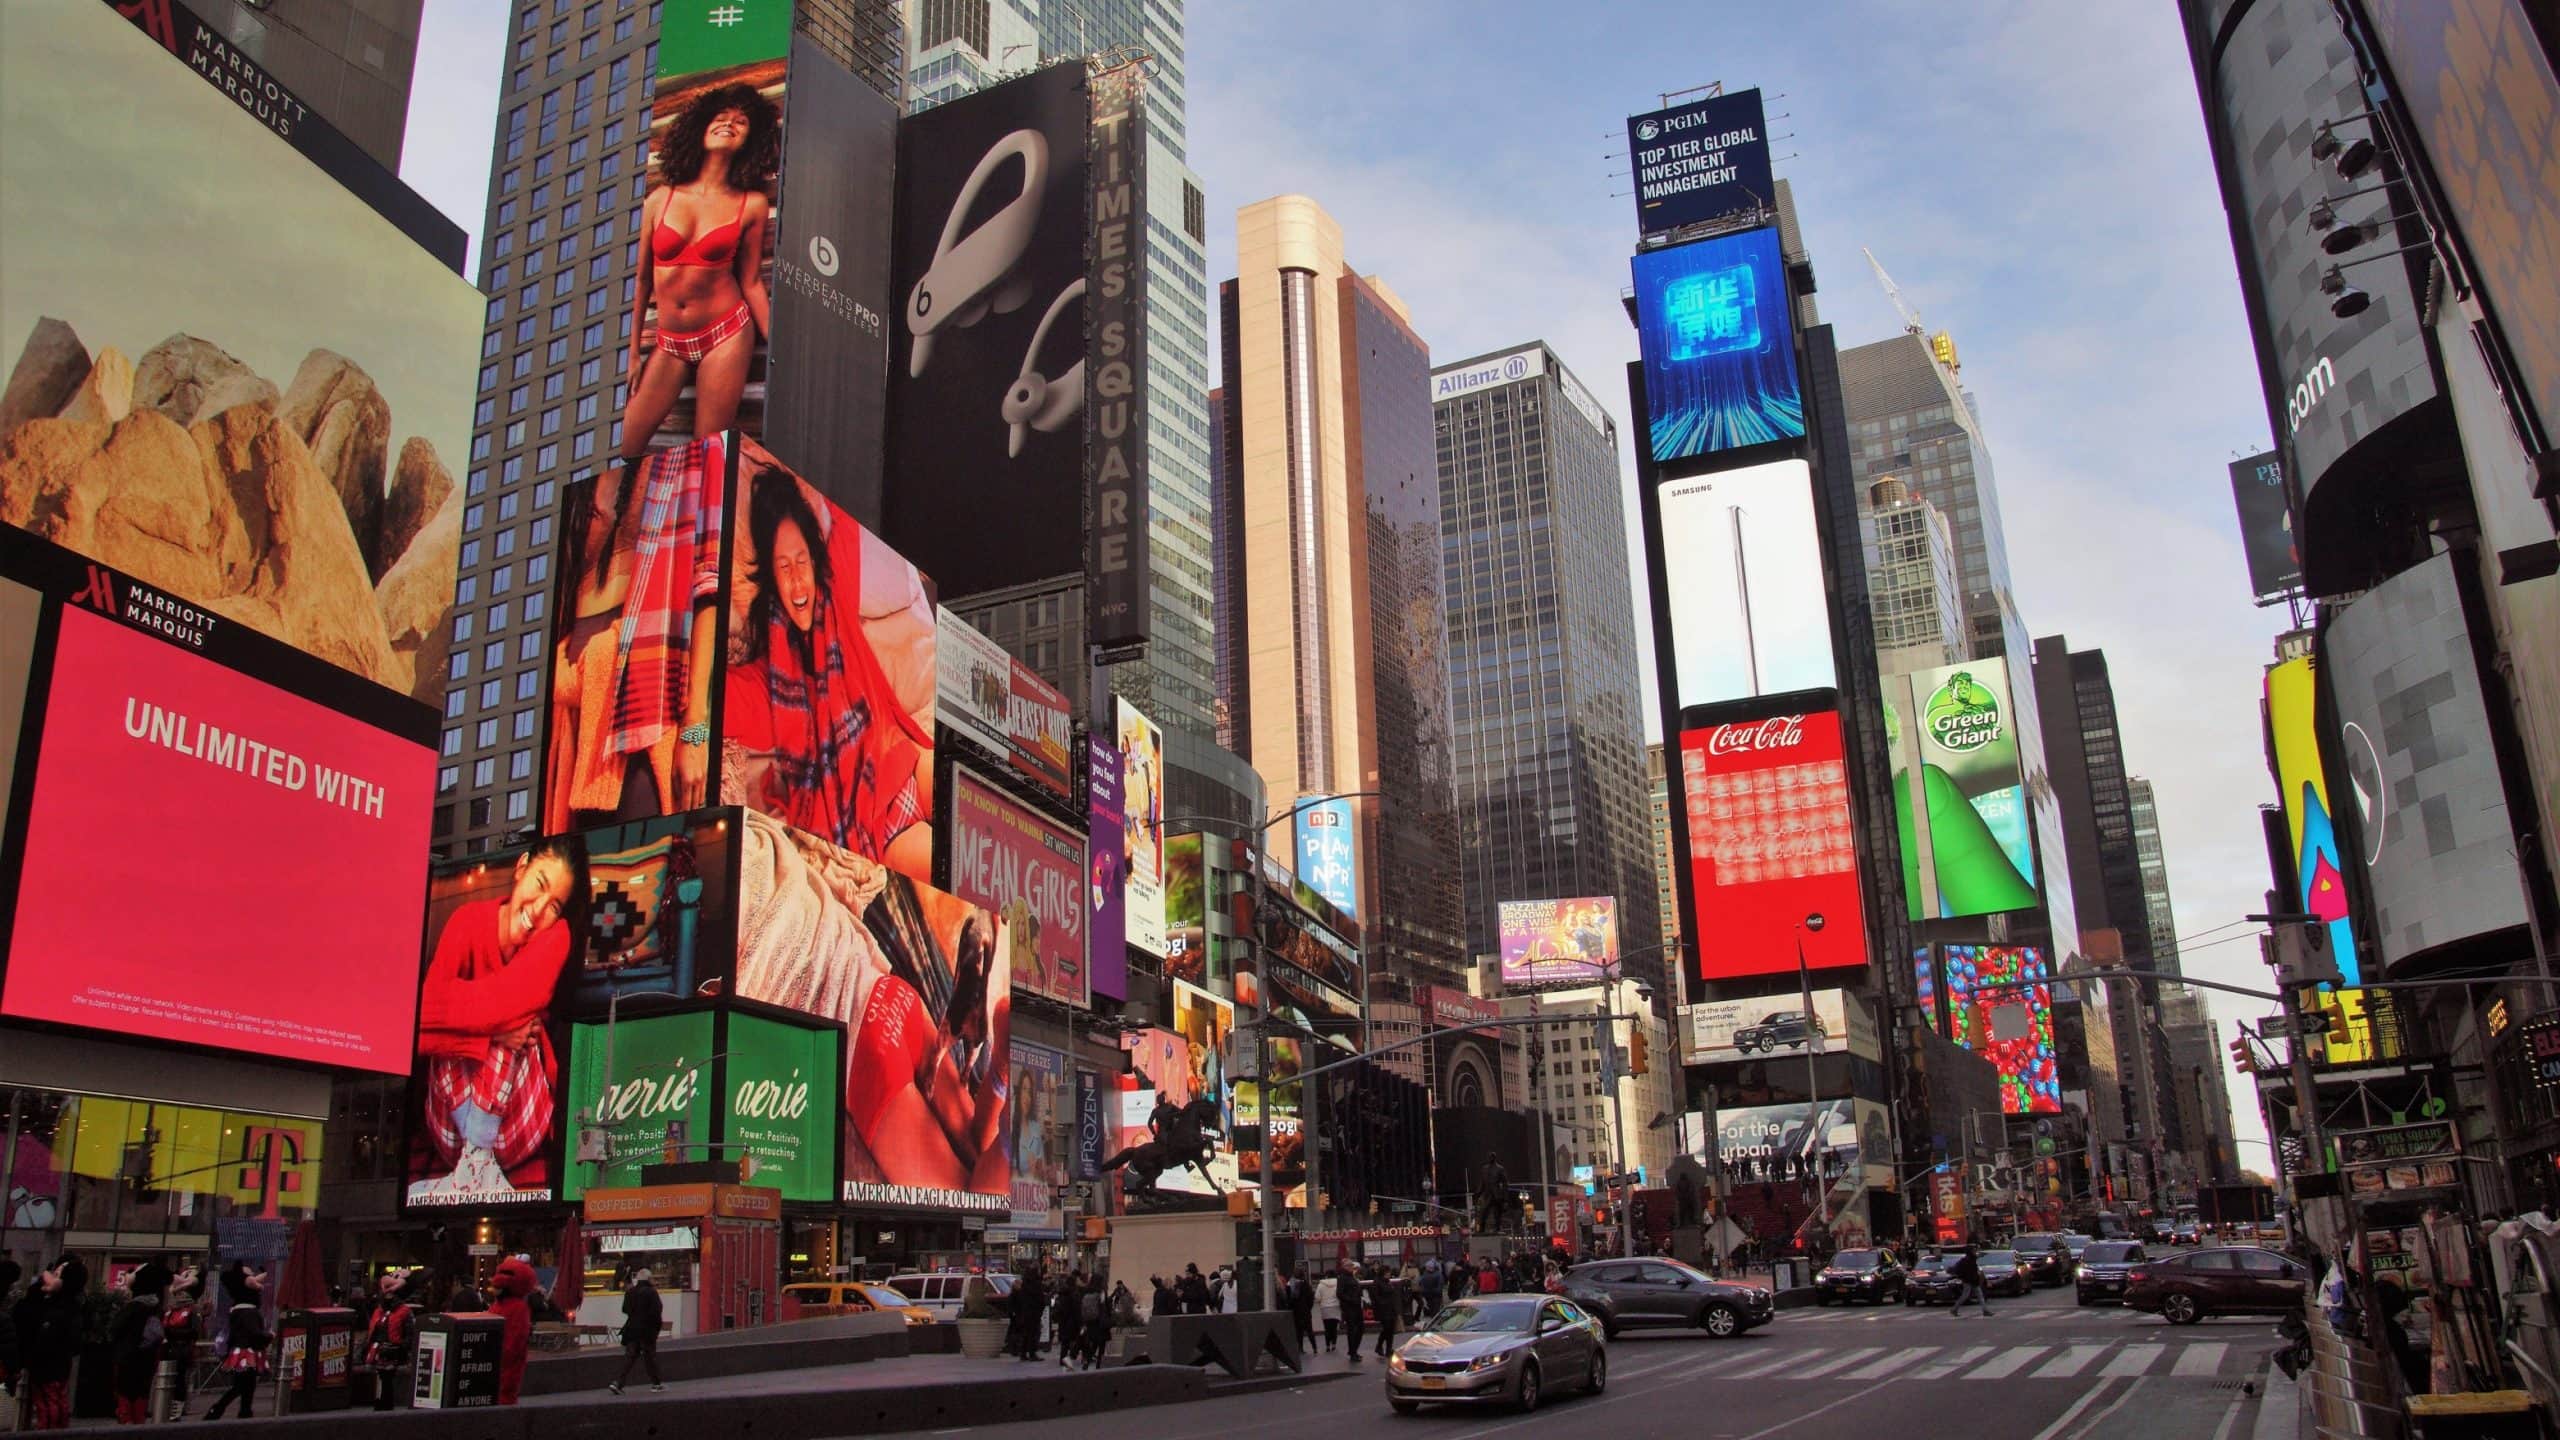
{"x":1037,"y":402}
{"x":971,"y":277}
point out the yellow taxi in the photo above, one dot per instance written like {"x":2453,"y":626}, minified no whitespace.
{"x":811,"y":1299}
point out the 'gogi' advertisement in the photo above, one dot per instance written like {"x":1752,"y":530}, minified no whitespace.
{"x":1959,"y":797}
{"x":1718,"y":334}
{"x":1700,"y":160}
{"x":1031,"y":874}
{"x":1041,"y":1116}
{"x":1328,"y":847}
{"x":1106,"y":870}
{"x":1558,"y":942}
{"x":253,"y":393}
{"x":641,"y":1092}
{"x":1188,"y":946}
{"x":1142,"y":805}
{"x":987,"y":351}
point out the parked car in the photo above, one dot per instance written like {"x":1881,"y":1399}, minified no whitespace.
{"x":1499,"y":1349}
{"x":1636,"y":1293}
{"x":1932,"y":1280}
{"x":2233,"y":1280}
{"x":1870,"y":1275}
{"x":941,"y":1293}
{"x":2103,"y":1268}
{"x":2002,"y":1274}
{"x":851,"y":1297}
{"x":1787,"y":1029}
{"x":2045,"y":1258}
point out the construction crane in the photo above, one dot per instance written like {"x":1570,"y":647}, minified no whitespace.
{"x":1942,"y":345}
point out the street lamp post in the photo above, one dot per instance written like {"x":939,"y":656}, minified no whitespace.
{"x":1812,"y":1080}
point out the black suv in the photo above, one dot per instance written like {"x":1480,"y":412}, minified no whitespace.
{"x":1932,"y":1280}
{"x":2044,"y":1258}
{"x":1791,"y":1029}
{"x":2103,"y":1268}
{"x":1631,"y":1293}
{"x":1870,"y":1275}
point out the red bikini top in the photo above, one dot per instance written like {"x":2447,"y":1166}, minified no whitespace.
{"x":712,"y":249}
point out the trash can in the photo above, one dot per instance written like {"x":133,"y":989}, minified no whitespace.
{"x":313,"y":1348}
{"x":457,"y":1365}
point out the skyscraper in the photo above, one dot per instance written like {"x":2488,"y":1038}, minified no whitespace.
{"x":2159,"y":916}
{"x":1666,"y":887}
{"x":1911,"y":578}
{"x":958,"y":46}
{"x":556,"y":254}
{"x":1337,"y":530}
{"x":1547,"y":734}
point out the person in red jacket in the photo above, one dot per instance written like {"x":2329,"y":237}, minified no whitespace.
{"x":491,"y":1085}
{"x":511,"y":1287}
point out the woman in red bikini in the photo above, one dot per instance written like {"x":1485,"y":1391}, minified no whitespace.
{"x":704,"y":226}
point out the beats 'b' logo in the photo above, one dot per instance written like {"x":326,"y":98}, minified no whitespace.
{"x":822,"y":255}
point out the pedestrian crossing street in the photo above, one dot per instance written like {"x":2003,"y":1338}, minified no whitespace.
{"x":2095,"y":1360}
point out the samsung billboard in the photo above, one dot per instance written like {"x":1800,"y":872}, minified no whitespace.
{"x":1749,"y":612}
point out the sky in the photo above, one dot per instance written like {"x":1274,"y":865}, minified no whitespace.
{"x":2034,"y":176}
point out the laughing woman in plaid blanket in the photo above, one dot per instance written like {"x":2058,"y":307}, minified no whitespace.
{"x":492,"y":1079}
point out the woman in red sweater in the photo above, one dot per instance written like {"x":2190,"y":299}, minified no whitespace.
{"x":492,"y":1082}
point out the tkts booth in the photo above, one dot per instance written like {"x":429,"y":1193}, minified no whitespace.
{"x":715,"y":1251}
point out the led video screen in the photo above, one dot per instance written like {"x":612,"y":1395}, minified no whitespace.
{"x":1719,"y":344}
{"x":1770,"y":843}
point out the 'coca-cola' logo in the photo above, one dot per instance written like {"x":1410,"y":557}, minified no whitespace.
{"x":1778,"y":732}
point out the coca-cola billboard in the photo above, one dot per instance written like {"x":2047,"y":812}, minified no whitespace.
{"x":1770,"y":842}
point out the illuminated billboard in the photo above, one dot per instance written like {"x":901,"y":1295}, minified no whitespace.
{"x":1029,"y":871}
{"x":1764,"y":787}
{"x":1700,"y":159}
{"x":229,"y":376}
{"x":1712,"y":1031}
{"x":1749,"y":611}
{"x":2314,"y":850}
{"x":1994,"y":1014}
{"x":1959,"y":795}
{"x":1328,"y":852}
{"x":1142,"y":809}
{"x":1558,"y":942}
{"x":1718,"y":334}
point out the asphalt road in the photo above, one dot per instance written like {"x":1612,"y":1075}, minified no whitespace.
{"x":2038,"y":1369}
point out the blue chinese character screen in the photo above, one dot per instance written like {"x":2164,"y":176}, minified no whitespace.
{"x":1719,"y":351}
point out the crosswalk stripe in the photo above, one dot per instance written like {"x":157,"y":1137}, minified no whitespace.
{"x":1766,"y":1367}
{"x":2008,"y":1362}
{"x":1940,"y":1370}
{"x":1726,"y":1362}
{"x":2200,"y":1359}
{"x":1845,"y":1357}
{"x":2131,"y":1360}
{"x":2069,"y":1363}
{"x":1891,"y":1363}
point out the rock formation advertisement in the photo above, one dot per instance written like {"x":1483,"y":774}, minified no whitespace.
{"x":229,"y":377}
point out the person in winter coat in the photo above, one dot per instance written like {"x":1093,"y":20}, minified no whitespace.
{"x":514,"y":1283}
{"x":1389,"y":1307}
{"x":48,"y":1322}
{"x":9,"y":1273}
{"x":1167,"y":1300}
{"x":1301,"y":1298}
{"x":390,"y":1334}
{"x":1434,"y":1287}
{"x":1030,"y":1299}
{"x":1329,"y":1306}
{"x":1354,"y":1308}
{"x":1195,"y":1291}
{"x":1066,"y":1317}
{"x":139,"y":1338}
{"x":244,"y":1356}
{"x":644,"y":1314}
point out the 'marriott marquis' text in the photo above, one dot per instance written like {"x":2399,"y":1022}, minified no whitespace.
{"x":230,"y":750}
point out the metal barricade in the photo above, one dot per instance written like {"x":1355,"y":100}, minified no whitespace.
{"x":2346,"y":1392}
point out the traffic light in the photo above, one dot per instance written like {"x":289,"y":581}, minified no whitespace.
{"x":2241,"y":1057}
{"x":2341,"y":1031}
{"x":1637,"y":1064}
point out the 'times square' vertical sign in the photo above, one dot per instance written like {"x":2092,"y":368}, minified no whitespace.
{"x":1117,"y":560}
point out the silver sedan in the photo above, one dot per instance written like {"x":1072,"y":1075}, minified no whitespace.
{"x":1499,"y":1350}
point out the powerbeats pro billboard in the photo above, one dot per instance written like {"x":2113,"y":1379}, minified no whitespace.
{"x":238,"y":382}
{"x":1993,"y":1011}
{"x":1959,"y":796}
{"x":1764,"y":789}
{"x":1700,"y":160}
{"x":1718,"y":334}
{"x":261,"y":857}
{"x":1558,"y":942}
{"x":1750,"y":614}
